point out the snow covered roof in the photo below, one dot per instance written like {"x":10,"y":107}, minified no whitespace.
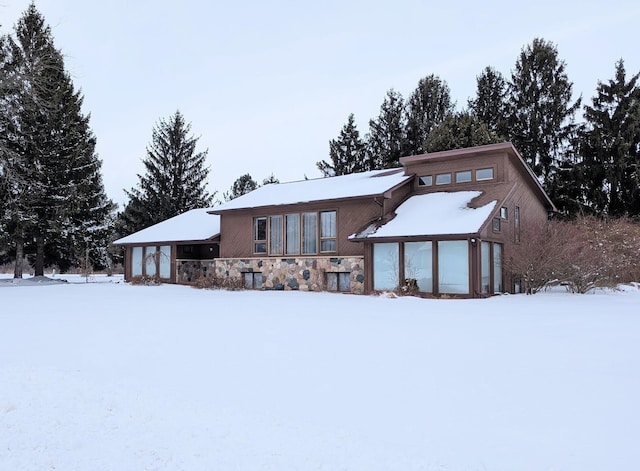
{"x":194,"y":225}
{"x":375,"y":182}
{"x":433,"y":214}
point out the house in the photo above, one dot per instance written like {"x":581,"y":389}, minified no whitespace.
{"x":439,"y":225}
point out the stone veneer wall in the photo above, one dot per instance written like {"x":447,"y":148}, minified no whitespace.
{"x":302,"y":273}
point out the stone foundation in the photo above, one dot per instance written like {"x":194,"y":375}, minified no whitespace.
{"x":302,"y":273}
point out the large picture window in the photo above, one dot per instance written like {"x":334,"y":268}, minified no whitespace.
{"x":293,"y":234}
{"x":453,"y":267}
{"x":151,"y":261}
{"x":275,"y":235}
{"x":485,"y":267}
{"x":497,"y":268}
{"x":309,"y":233}
{"x":136,"y":261}
{"x":418,"y":264}
{"x":385,"y":266}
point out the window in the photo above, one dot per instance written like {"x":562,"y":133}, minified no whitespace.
{"x":485,"y":267}
{"x":309,"y":233}
{"x":504,"y":213}
{"x":275,"y":235}
{"x":496,"y":224}
{"x":150,"y":261}
{"x":418,"y":260}
{"x":484,"y":174}
{"x":338,"y":281}
{"x":252,"y":280}
{"x":516,"y":222}
{"x":385,"y":266}
{"x":497,"y":268}
{"x":443,"y":179}
{"x":293,"y":234}
{"x":453,"y":267}
{"x":425,"y":181}
{"x":165,"y":261}
{"x":328,"y":231}
{"x":462,"y":177}
{"x":136,"y":261}
{"x":260,"y":235}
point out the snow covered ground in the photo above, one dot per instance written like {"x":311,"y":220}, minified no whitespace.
{"x":108,"y":376}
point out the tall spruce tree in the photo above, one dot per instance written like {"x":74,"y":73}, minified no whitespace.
{"x":540,"y":112}
{"x":429,"y":104}
{"x":386,"y":138}
{"x":54,"y":151}
{"x":490,"y":104}
{"x":175,"y":178}
{"x":460,"y":130}
{"x":611,"y":146}
{"x":347,"y":152}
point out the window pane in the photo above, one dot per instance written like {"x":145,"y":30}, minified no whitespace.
{"x":275,"y":235}
{"x":443,"y":179}
{"x":418,"y":264}
{"x":497,"y":268}
{"x":496,"y":224}
{"x":309,"y":233}
{"x":257,"y":280}
{"x":332,"y":281}
{"x":425,"y":181}
{"x":504,"y":213}
{"x":485,"y":266}
{"x":165,"y":261}
{"x":344,"y":281}
{"x":328,"y":245}
{"x":136,"y":261}
{"x":516,"y":222}
{"x":150,"y":261}
{"x":293,"y":233}
{"x":385,"y":266}
{"x":453,"y":266}
{"x":484,"y":174}
{"x":328,"y":224}
{"x":260,"y":247}
{"x":462,"y":177}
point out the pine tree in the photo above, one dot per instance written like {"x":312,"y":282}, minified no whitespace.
{"x":428,"y":106}
{"x":243,"y":185}
{"x":611,"y":146}
{"x":490,"y":104}
{"x":175,"y":176}
{"x":269,"y":180}
{"x":347,"y":152}
{"x":460,"y":130}
{"x":540,"y":112}
{"x":386,"y":138}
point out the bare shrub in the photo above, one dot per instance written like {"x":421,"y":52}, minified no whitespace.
{"x":145,"y":280}
{"x":219,"y":282}
{"x":537,"y":259}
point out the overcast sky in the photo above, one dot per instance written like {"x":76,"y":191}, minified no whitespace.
{"x":266,"y":85}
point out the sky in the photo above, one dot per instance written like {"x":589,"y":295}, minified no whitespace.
{"x":267,"y":85}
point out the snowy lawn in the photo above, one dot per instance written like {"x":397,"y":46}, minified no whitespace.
{"x":107,"y":376}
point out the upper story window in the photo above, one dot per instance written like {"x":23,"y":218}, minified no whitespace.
{"x":504,"y":213}
{"x":443,"y":179}
{"x":462,"y":177}
{"x":260,"y":235}
{"x":484,"y":174}
{"x":426,"y":180}
{"x":328,"y":231}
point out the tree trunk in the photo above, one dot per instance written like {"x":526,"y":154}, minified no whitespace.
{"x":39,"y":266}
{"x":17,"y":270}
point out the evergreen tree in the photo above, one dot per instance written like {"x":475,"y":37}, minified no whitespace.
{"x":459,"y":130}
{"x":269,"y":180}
{"x":175,"y":176}
{"x":347,"y":152}
{"x":386,"y":138}
{"x":611,"y":146}
{"x":540,"y":112}
{"x":427,"y":107}
{"x":490,"y":103}
{"x":243,"y":185}
{"x":56,"y":168}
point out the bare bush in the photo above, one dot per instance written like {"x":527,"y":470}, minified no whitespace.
{"x":537,"y":259}
{"x":219,"y":282}
{"x":145,"y":280}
